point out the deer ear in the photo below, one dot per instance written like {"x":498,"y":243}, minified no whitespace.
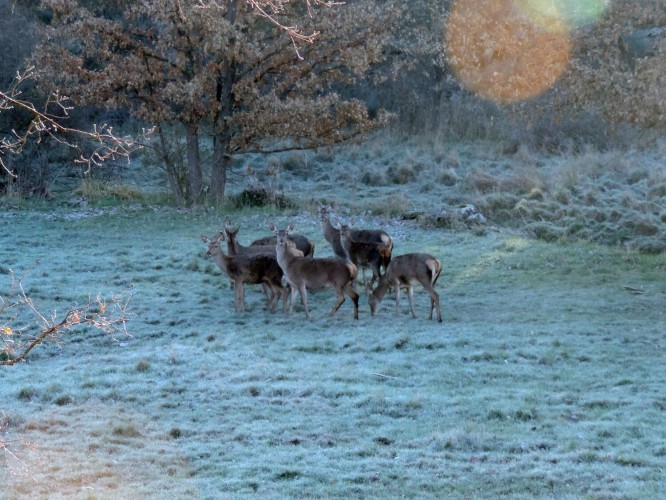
{"x":290,"y":228}
{"x":204,"y":239}
{"x":272,"y":226}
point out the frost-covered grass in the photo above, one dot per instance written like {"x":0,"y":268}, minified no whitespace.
{"x":546,"y":378}
{"x":610,"y":197}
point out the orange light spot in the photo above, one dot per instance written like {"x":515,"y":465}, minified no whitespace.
{"x":501,"y":55}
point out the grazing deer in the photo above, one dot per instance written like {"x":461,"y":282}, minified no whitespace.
{"x":305,"y":273}
{"x":406,"y":271}
{"x":332,"y":234}
{"x":365,"y":254}
{"x":250,"y":269}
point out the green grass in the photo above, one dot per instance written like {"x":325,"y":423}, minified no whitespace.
{"x":544,"y":380}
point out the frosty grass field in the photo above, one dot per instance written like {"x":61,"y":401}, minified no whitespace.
{"x":546,"y":378}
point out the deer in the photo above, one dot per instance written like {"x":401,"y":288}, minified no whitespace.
{"x":263,"y":245}
{"x":250,"y":269}
{"x":332,"y":235}
{"x":235,"y":248}
{"x":365,"y":254}
{"x":303,"y":273}
{"x":407,"y":271}
{"x":301,"y":242}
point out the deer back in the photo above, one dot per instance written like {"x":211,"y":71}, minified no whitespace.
{"x":413,"y":268}
{"x":363,"y":252}
{"x":302,"y":243}
{"x":372,"y":236}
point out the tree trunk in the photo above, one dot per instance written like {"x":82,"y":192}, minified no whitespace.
{"x":221,"y":162}
{"x":173,"y":172}
{"x":222,"y":134}
{"x":195,"y":179}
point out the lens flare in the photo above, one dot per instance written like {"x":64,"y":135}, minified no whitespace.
{"x":502,"y":55}
{"x":561,"y":15}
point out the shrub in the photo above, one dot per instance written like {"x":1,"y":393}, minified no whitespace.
{"x":522,"y":182}
{"x":372,"y":178}
{"x":546,"y":232}
{"x":401,"y":175}
{"x":260,"y":197}
{"x":481,"y":182}
{"x":97,"y":191}
{"x":448,"y":177}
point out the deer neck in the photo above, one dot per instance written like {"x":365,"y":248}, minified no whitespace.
{"x":220,"y":257}
{"x":330,"y":233}
{"x":283,"y":256}
{"x":382,"y":288}
{"x":345,"y":244}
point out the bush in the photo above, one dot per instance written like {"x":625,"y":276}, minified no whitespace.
{"x":401,"y":175}
{"x":260,"y":197}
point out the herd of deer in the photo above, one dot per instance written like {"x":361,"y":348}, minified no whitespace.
{"x":286,"y":261}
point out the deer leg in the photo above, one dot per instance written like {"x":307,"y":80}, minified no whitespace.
{"x":304,"y":299}
{"x":349,"y":288}
{"x":284,"y":291}
{"x":410,"y":296}
{"x":266,"y":286}
{"x":434,"y":302}
{"x":266,"y":289}
{"x":341,"y":298}
{"x":292,"y":299}
{"x":376,"y":274}
{"x":274,"y":297}
{"x":396,"y":288}
{"x":239,"y":296}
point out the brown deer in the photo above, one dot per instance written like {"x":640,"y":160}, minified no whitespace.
{"x":332,"y":234}
{"x":263,"y":245}
{"x":301,"y":243}
{"x":250,"y":269}
{"x":303,"y":273}
{"x":365,"y":254}
{"x":407,"y":271}
{"x":235,"y":248}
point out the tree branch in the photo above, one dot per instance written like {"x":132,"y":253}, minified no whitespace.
{"x":46,"y":123}
{"x":105,"y":314}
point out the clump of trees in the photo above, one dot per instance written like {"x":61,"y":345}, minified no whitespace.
{"x":223,"y":74}
{"x":220,"y":79}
